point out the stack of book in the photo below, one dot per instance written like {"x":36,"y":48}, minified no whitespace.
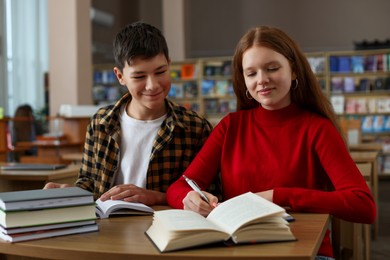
{"x":35,"y":214}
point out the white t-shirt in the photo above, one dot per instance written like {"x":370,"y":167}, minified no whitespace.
{"x":136,"y":147}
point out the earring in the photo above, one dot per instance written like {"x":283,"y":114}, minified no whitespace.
{"x":248,"y":96}
{"x":296,"y":85}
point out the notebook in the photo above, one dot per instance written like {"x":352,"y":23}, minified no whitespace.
{"x":31,"y":167}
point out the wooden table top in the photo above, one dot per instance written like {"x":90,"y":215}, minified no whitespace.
{"x":40,"y":175}
{"x":123,"y":237}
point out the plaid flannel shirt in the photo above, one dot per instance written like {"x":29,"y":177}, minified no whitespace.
{"x":179,"y":139}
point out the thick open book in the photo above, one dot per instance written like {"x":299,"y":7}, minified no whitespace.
{"x":247,"y":218}
{"x":115,"y":207}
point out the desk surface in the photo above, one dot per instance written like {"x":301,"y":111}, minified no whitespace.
{"x":364,"y":156}
{"x":35,"y":175}
{"x":123,"y":237}
{"x":366,"y":147}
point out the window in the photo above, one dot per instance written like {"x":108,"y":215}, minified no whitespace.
{"x":25,"y":53}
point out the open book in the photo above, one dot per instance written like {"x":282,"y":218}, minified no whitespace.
{"x":114,"y":207}
{"x":247,"y":218}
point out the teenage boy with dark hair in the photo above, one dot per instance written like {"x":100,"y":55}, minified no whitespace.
{"x":137,"y":147}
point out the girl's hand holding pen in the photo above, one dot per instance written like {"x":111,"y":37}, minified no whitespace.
{"x":197,"y":200}
{"x":194,"y":202}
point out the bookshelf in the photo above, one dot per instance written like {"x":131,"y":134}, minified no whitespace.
{"x":358,"y":85}
{"x":185,"y":88}
{"x":106,"y":88}
{"x":207,"y":90}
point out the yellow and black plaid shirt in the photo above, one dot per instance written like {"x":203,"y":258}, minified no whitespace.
{"x":179,"y":139}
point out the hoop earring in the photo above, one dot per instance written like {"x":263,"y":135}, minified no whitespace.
{"x":296,"y":85}
{"x":248,"y":96}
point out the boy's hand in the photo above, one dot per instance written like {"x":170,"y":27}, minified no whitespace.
{"x":132,"y":193}
{"x":53,"y":185}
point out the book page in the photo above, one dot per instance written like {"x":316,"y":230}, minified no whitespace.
{"x":180,"y":220}
{"x":104,"y":209}
{"x":238,"y":211}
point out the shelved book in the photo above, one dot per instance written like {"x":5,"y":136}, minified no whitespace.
{"x":33,"y":214}
{"x":247,"y":218}
{"x":105,"y":209}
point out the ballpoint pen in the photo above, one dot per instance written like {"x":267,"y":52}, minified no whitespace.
{"x":196,"y":188}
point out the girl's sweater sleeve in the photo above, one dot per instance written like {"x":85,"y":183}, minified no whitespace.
{"x":351,"y":199}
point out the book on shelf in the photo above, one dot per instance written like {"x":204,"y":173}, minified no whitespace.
{"x":188,"y":71}
{"x":176,"y":90}
{"x":383,"y":105}
{"x":361,"y":105}
{"x":190,"y":89}
{"x":378,"y":123}
{"x":379,"y":84}
{"x":317,"y":64}
{"x":208,"y":87}
{"x":246,"y":218}
{"x":43,"y":199}
{"x":46,"y":233}
{"x":221,"y":87}
{"x":337,"y":84}
{"x":338,"y":103}
{"x":364,"y":85}
{"x":386,"y":127}
{"x":105,"y":209}
{"x":344,"y":64}
{"x":175,"y":74}
{"x":227,"y":68}
{"x":357,"y":64}
{"x":211,"y":106}
{"x":350,"y":106}
{"x":349,"y":85}
{"x":370,"y":63}
{"x":367,"y":124}
{"x":194,"y":106}
{"x":214,"y":68}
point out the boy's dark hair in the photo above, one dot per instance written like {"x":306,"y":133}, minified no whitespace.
{"x":138,"y":39}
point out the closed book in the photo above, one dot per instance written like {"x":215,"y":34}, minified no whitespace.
{"x":24,"y":218}
{"x":41,"y":199}
{"x":16,"y":230}
{"x":18,"y":237}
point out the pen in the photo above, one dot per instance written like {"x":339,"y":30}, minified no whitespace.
{"x":196,"y":188}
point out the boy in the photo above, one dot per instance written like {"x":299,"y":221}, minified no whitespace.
{"x":137,"y":147}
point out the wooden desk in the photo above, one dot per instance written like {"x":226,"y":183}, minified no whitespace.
{"x":366,"y":147}
{"x":124,"y":238}
{"x":49,"y":151}
{"x":74,"y":157}
{"x":26,"y":180}
{"x":372,"y":158}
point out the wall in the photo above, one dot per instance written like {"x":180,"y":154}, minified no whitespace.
{"x":124,"y":12}
{"x":70,"y":59}
{"x":214,"y":27}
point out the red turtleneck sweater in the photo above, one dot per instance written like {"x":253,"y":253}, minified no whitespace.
{"x":298,"y":154}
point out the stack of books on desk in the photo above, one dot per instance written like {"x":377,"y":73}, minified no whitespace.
{"x":34,"y":214}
